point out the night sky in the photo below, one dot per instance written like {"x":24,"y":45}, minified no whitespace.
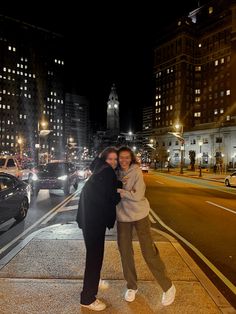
{"x":105,"y":46}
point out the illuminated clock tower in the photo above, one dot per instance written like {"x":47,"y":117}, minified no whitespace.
{"x":113,"y":119}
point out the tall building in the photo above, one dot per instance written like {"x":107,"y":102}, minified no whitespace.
{"x":195,"y":71}
{"x":113,"y":118}
{"x":31,"y":88}
{"x":77,"y":120}
{"x":147,"y":126}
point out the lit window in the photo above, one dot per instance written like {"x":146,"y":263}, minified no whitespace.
{"x":171,"y":107}
{"x":9,"y":70}
{"x":62,"y":62}
{"x":14,"y":48}
{"x":179,"y":23}
{"x":216,"y":62}
{"x":222,"y":60}
{"x":200,"y":45}
{"x":197,"y":91}
{"x":9,"y":47}
{"x":198,"y":68}
{"x":221,"y":110}
{"x":222,"y":93}
{"x":228,"y":92}
{"x":210,"y":10}
{"x":55,"y":60}
{"x":197,"y":114}
{"x":13,"y":71}
{"x":216,"y":111}
{"x":33,"y":75}
{"x":197,"y":99}
{"x":59,"y":61}
{"x":227,"y":118}
{"x":4,"y":69}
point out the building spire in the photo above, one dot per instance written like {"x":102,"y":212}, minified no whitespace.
{"x":113,"y":119}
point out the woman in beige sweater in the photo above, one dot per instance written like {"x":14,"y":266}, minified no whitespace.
{"x":132,"y":212}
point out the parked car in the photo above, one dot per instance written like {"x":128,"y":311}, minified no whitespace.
{"x":14,"y":197}
{"x":11,"y":165}
{"x":231,"y":180}
{"x":144,"y":168}
{"x":55,"y":175}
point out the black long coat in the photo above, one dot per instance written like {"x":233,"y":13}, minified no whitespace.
{"x":99,"y":197}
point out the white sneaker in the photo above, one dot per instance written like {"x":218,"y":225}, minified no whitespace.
{"x":130,"y":295}
{"x":168,"y":296}
{"x":103,"y":284}
{"x":97,"y":305}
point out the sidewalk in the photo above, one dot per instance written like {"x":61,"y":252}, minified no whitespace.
{"x":216,"y":177}
{"x":44,"y":275}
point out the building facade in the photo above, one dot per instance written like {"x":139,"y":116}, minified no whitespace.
{"x":113,"y":117}
{"x":147,"y":126}
{"x":31,"y":89}
{"x":195,"y":69}
{"x":77,"y":128}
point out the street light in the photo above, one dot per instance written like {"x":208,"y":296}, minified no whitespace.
{"x":168,"y":159}
{"x":20,"y":142}
{"x":200,"y":156}
{"x":179,"y":135}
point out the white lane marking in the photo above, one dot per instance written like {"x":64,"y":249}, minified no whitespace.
{"x":225,"y":208}
{"x":226,"y":281}
{"x":60,"y":209}
{"x":65,"y":208}
{"x":159,"y":182}
{"x":75,"y":198}
{"x":37,"y":223}
{"x":151,"y":219}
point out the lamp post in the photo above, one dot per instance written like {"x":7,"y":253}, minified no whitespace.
{"x":200,"y":160}
{"x":20,"y":142}
{"x":43,"y":131}
{"x":69,"y":141}
{"x":168,"y":159}
{"x":180,"y":131}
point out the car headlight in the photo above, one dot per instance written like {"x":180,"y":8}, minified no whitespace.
{"x":34,"y":177}
{"x":81,"y":173}
{"x":63,"y":178}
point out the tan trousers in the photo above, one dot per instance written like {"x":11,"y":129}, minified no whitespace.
{"x":149,"y":252}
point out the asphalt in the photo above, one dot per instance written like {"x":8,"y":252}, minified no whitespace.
{"x":44,"y":274}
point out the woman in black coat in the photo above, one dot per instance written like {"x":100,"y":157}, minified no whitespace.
{"x":96,"y":212}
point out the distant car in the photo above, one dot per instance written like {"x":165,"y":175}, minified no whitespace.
{"x":83,"y":172}
{"x":55,"y":175}
{"x":231,"y":180}
{"x":144,"y":168}
{"x":14,"y":198}
{"x":9,"y":164}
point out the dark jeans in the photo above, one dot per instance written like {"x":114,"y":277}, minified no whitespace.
{"x":94,"y":239}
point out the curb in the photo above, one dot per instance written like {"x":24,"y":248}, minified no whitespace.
{"x":211,"y":289}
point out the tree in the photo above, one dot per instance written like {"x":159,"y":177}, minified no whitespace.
{"x":192,"y":157}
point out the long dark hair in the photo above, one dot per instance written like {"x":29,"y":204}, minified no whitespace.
{"x":129,"y":150}
{"x":106,"y":152}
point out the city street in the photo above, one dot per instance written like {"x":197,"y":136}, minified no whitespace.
{"x":202,"y":216}
{"x":42,"y":209}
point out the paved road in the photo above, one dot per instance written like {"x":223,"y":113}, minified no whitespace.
{"x":44,"y":205}
{"x":203,"y":213}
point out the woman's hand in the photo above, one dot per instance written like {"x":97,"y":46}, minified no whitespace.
{"x":122,"y":192}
